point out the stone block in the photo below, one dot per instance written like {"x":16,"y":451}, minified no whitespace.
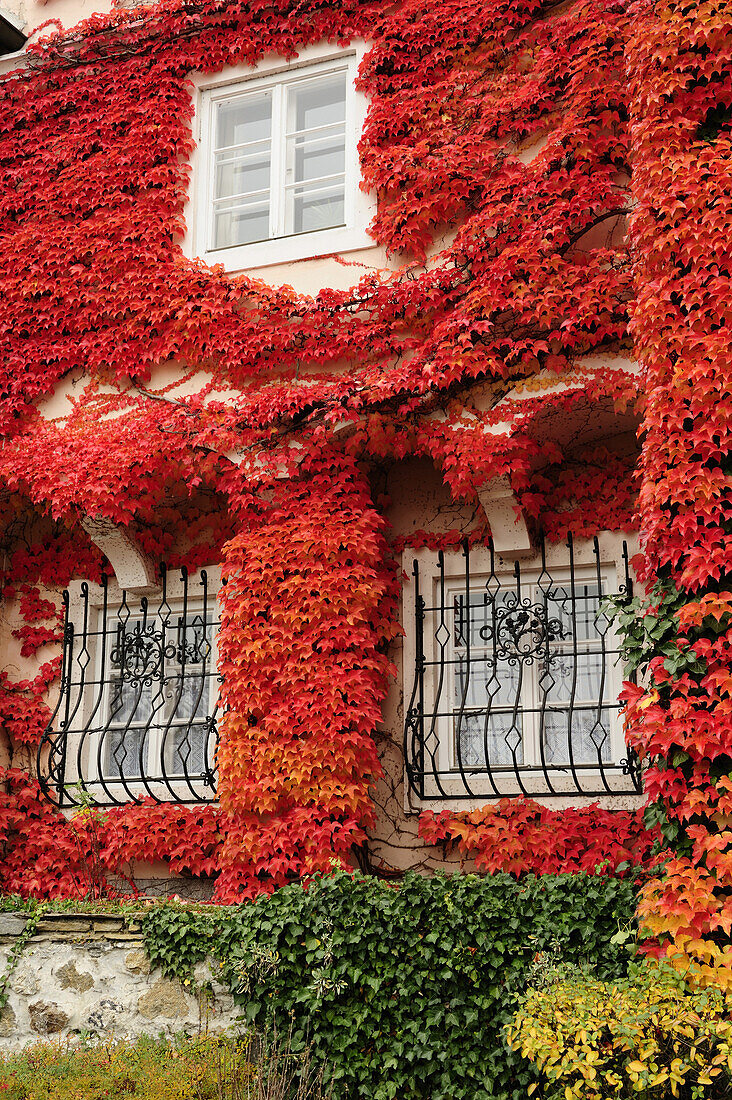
{"x":12,"y":924}
{"x":24,"y":981}
{"x":7,"y":1021}
{"x":47,"y":1019}
{"x":137,"y":961}
{"x":71,"y":978}
{"x":63,"y":927}
{"x":164,"y":998}
{"x":109,"y":927}
{"x":104,"y":1015}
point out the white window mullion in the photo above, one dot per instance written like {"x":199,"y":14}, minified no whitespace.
{"x":277,"y":178}
{"x":211,"y":179}
{"x":530,"y":704}
{"x":352,"y":173}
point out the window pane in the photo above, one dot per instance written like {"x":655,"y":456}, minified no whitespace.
{"x":129,"y":701}
{"x":242,"y":175}
{"x":566,"y":678}
{"x":499,"y":734}
{"x":190,"y":752}
{"x":123,"y":753}
{"x":486,"y":694}
{"x":589,"y":731}
{"x":187,"y":748}
{"x":489,"y":623}
{"x":318,"y":210}
{"x":189,"y":698}
{"x":244,"y":119}
{"x":241,"y":224}
{"x":319,"y":156}
{"x":586,"y":610}
{"x":490,"y":685}
{"x":193,"y":642}
{"x":318,"y":102}
{"x":242,"y":170}
{"x":186,"y":741}
{"x":316,"y":154}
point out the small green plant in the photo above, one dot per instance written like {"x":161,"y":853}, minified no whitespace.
{"x":648,"y":628}
{"x":16,"y":951}
{"x":256,"y":966}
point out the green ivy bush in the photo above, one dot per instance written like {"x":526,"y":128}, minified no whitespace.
{"x":403,"y":990}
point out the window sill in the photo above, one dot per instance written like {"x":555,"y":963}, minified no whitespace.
{"x":305,"y":246}
{"x":457,"y":804}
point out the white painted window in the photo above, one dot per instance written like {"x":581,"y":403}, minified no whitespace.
{"x":160,"y":692}
{"x":277,"y":171}
{"x":512,"y":673}
{"x":534,"y":676}
{"x":137,"y":709}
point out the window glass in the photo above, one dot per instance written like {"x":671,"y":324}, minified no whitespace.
{"x":316,"y":154}
{"x":528,"y":654}
{"x":489,"y":685}
{"x":160,"y":687}
{"x":123,"y":752}
{"x":242,"y":169}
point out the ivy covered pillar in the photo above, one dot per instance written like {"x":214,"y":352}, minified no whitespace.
{"x":306,"y":608}
{"x":680,"y":67}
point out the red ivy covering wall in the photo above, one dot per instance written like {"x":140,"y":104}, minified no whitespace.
{"x":95,"y":137}
{"x":680,"y":66}
{"x":521,"y":836}
{"x":304,"y":614}
{"x":44,"y":855}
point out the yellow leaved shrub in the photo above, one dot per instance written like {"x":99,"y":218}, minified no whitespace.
{"x":649,"y":1035}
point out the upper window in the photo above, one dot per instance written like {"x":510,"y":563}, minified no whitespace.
{"x":516,"y":676}
{"x":277,"y":171}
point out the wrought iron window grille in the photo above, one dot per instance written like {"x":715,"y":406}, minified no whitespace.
{"x":516,"y":678}
{"x":137,"y":705}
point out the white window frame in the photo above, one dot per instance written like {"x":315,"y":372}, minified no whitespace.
{"x":166,"y":723}
{"x":530,"y":690}
{"x":125,"y":788}
{"x":273,"y":74}
{"x":453,"y":793}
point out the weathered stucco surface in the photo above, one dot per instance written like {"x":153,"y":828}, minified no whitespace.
{"x":90,"y":975}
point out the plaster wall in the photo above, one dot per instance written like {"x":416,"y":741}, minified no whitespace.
{"x":30,"y":14}
{"x":90,"y":974}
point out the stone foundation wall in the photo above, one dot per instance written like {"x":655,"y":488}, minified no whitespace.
{"x":89,"y":975}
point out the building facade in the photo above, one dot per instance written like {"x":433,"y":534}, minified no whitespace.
{"x":321,"y":451}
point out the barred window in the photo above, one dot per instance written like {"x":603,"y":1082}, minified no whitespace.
{"x":515,"y":676}
{"x":136,"y":712}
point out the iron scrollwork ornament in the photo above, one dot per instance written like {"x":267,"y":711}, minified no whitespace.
{"x":520,"y":630}
{"x":139,"y":654}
